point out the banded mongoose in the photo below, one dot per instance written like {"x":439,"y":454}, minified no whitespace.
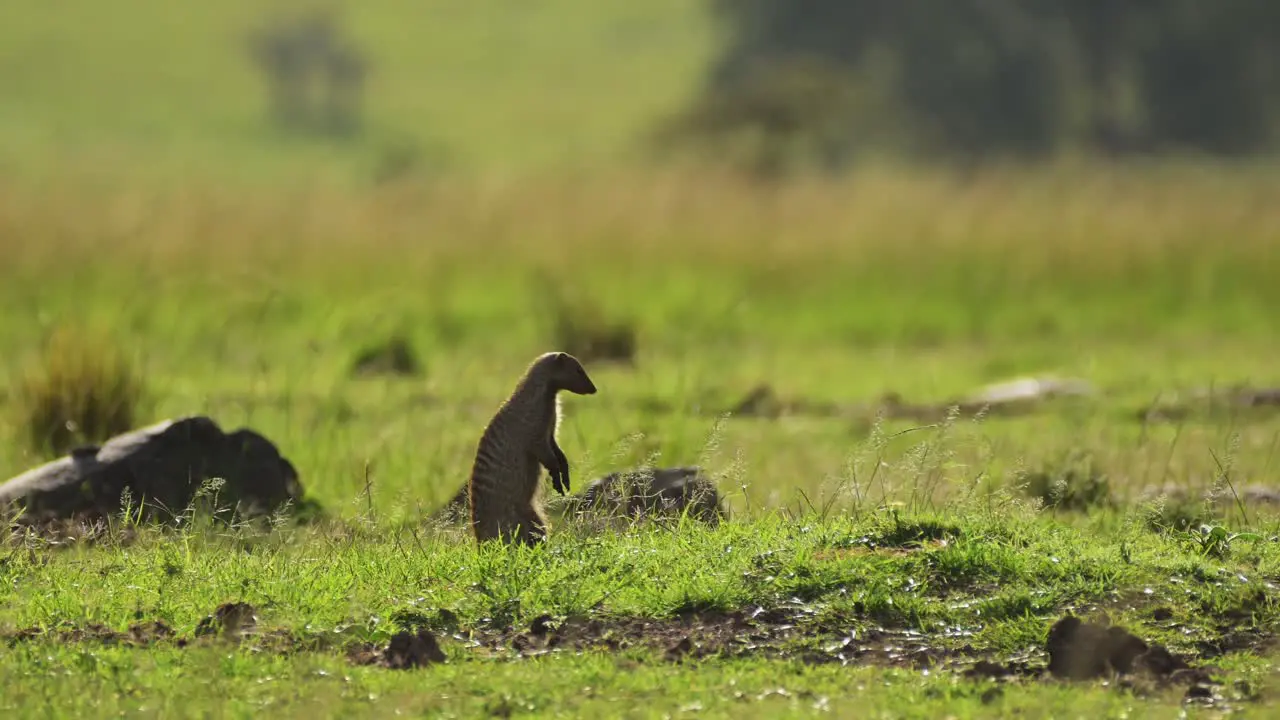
{"x":519,"y":441}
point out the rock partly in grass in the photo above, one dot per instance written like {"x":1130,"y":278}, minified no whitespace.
{"x":652,"y":492}
{"x":161,"y":469}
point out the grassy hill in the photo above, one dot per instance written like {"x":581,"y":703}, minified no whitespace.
{"x":163,"y":87}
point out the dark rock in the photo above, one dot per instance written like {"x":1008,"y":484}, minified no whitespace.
{"x":762,"y":401}
{"x":658,"y":491}
{"x":162,"y":467}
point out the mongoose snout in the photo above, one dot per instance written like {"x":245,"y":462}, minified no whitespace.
{"x":571,"y":376}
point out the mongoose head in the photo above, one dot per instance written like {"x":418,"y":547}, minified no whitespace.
{"x":564,"y":372}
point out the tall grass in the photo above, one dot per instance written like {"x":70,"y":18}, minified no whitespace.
{"x":81,"y":388}
{"x":1177,"y":240}
{"x":1099,"y":221}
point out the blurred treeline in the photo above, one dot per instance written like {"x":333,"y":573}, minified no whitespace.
{"x":822,"y":80}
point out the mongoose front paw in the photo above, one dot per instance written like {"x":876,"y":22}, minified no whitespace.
{"x":560,"y":480}
{"x":560,"y":476}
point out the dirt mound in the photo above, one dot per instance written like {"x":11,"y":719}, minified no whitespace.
{"x":1080,"y":650}
{"x":405,"y":651}
{"x":229,"y":620}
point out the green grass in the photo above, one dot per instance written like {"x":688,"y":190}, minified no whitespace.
{"x":982,"y":587}
{"x":252,"y":308}
{"x":241,"y":273}
{"x":592,"y":685}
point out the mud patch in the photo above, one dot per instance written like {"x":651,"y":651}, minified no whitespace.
{"x":695,"y":635}
{"x":1076,"y":650}
{"x":144,"y":634}
{"x":781,"y":633}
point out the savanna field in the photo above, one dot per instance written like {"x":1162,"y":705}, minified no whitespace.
{"x":897,"y":544}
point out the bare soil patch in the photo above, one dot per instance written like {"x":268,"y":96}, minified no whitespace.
{"x":1075,"y":650}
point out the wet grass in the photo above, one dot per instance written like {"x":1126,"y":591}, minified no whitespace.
{"x":77,"y":681}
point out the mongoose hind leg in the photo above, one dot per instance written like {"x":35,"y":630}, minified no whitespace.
{"x":486,"y":529}
{"x":531,"y":529}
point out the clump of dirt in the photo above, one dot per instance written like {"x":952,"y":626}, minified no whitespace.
{"x":229,"y":620}
{"x":676,"y":652}
{"x":405,"y":651}
{"x":1080,"y":650}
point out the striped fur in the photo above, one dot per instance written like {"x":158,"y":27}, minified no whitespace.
{"x":519,"y":441}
